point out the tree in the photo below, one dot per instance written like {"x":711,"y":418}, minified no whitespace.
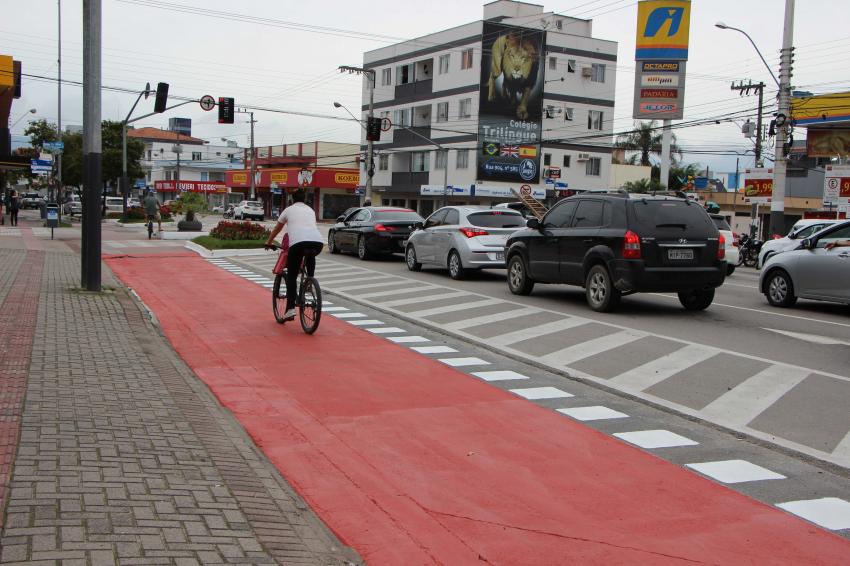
{"x":678,"y":175}
{"x":646,"y":139}
{"x":643,"y":186}
{"x":40,"y":131}
{"x":111,"y":133}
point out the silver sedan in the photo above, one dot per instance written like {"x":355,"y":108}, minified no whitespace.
{"x":462,"y":238}
{"x":819,"y":269}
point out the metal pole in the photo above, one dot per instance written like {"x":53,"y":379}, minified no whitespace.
{"x":253,"y":158}
{"x":92,"y":142}
{"x":446,"y":178}
{"x":123,"y":180}
{"x":666,"y":142}
{"x":758,"y":124}
{"x":777,"y":203}
{"x":735,"y":196}
{"x":59,"y":107}
{"x":370,"y":158}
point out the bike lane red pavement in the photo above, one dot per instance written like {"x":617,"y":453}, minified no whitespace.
{"x":412,"y":462}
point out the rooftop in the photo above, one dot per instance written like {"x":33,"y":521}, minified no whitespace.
{"x":156,"y":134}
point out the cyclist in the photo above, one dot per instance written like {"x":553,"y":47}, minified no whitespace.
{"x":300,"y":222}
{"x":152,"y":210}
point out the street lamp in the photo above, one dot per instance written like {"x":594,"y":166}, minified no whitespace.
{"x":30,"y":111}
{"x":370,"y":160}
{"x":722,"y":25}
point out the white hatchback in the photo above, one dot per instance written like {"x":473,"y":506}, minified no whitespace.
{"x":800,"y":230}
{"x":731,"y":241}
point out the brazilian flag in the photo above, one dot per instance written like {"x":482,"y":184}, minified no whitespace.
{"x":491,"y":149}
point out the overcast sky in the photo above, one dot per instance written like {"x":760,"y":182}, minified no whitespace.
{"x":295,"y":69}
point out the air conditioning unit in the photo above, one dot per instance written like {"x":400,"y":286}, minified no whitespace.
{"x":583,"y":156}
{"x":587,"y":72}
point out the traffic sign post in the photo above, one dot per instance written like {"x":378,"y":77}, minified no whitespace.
{"x":207,"y":102}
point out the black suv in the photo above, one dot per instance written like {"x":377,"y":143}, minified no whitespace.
{"x":616,"y":244}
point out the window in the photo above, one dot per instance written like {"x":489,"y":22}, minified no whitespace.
{"x":442,"y":111}
{"x":593,"y":166}
{"x":168,"y":175}
{"x":419,"y":161}
{"x":362,"y":215}
{"x":462,"y":159}
{"x":594,"y":120}
{"x":218,"y":154}
{"x":559,"y":217}
{"x":403,"y":117}
{"x":149,"y":155}
{"x":559,"y":24}
{"x":196,"y":156}
{"x":553,"y":63}
{"x":588,"y":214}
{"x":597,"y":73}
{"x":386,"y":76}
{"x":404,"y":74}
{"x":205,"y":176}
{"x":568,"y":114}
{"x":437,"y":218}
{"x":452,"y":217}
{"x":566,"y":160}
{"x":444,"y":63}
{"x":383,"y":162}
{"x":547,"y":159}
{"x":440,"y":162}
{"x":465,"y":108}
{"x":571,"y":65}
{"x":466,"y":59}
{"x":549,"y":111}
{"x":148,"y":176}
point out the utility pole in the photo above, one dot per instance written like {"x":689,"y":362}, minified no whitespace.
{"x":370,"y":156}
{"x":58,"y":196}
{"x":92,"y":143}
{"x":783,"y":118}
{"x":758,"y":88}
{"x":253,"y":160}
{"x":666,"y":142}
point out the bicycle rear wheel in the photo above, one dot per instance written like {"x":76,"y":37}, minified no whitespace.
{"x":310,"y":301}
{"x":150,"y":229}
{"x":279,"y":297}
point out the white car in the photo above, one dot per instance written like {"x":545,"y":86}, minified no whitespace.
{"x":800,"y":230}
{"x":72,"y":205}
{"x":731,"y":241}
{"x":218,"y":209}
{"x":249,"y":209}
{"x":114,"y":204}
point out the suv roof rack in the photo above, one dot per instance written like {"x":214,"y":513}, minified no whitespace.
{"x":678,"y":194}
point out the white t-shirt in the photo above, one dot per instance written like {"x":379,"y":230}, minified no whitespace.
{"x":300,"y":222}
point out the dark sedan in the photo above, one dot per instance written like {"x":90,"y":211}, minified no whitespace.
{"x":372,"y":230}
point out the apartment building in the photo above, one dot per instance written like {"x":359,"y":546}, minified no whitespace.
{"x":521,"y":97}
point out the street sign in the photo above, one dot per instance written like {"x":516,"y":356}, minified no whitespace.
{"x":525,"y":190}
{"x":836,"y":185}
{"x":561,"y":184}
{"x":207,"y":102}
{"x":140,"y":183}
{"x":386,"y":124}
{"x":41,"y":166}
{"x":53,"y":147}
{"x":360,"y":191}
{"x":225,"y":109}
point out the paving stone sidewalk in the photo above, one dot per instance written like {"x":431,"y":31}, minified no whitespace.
{"x":123,"y":455}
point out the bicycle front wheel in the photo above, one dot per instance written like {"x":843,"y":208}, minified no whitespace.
{"x":279,"y":297}
{"x":310,"y":301}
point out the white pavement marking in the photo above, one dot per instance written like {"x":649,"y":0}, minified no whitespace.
{"x":656,"y":371}
{"x":433,"y":349}
{"x":421,"y":289}
{"x":348,"y":314}
{"x":487,"y":319}
{"x":407,"y":339}
{"x":369,"y":322}
{"x":536,"y":331}
{"x":589,"y":348}
{"x":331,"y":279}
{"x":735,"y":471}
{"x":348,"y":288}
{"x":842,"y":449}
{"x":829,"y":512}
{"x":502,"y":375}
{"x":463,"y":362}
{"x":534,"y":393}
{"x":423,"y":299}
{"x":454,"y":307}
{"x":334,"y":309}
{"x":595,"y":413}
{"x":813,"y":338}
{"x":386,"y":330}
{"x":268,"y":285}
{"x":754,"y":395}
{"x":655,"y":439}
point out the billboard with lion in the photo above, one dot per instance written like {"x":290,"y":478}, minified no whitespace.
{"x":510,"y":103}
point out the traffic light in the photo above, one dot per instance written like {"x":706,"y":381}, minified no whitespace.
{"x":225,"y":110}
{"x":161,"y":97}
{"x":373,"y":129}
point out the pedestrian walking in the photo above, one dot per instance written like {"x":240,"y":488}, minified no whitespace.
{"x":14,"y":205}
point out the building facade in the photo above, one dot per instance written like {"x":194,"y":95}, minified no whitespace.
{"x":431,"y":89}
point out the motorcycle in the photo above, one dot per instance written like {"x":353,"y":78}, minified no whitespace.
{"x":748,"y":250}
{"x":228,"y":213}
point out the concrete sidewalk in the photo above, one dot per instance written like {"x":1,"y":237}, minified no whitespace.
{"x":111,"y":450}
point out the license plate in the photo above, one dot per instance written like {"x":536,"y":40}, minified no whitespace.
{"x":680,"y":254}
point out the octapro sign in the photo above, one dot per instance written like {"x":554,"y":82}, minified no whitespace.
{"x":659,"y":90}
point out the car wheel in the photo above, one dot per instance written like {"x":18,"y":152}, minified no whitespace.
{"x":730,"y":269}
{"x":780,"y":289}
{"x":332,"y":243}
{"x":456,"y":270}
{"x":362,"y":251}
{"x":410,"y":258}
{"x":519,"y":282}
{"x":599,"y":290}
{"x":697,"y":300}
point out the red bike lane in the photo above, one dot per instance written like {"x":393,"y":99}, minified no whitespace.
{"x":410,"y":461}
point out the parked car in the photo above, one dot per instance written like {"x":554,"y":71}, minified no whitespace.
{"x":114,"y":204}
{"x":801,"y":229}
{"x":517,"y":206}
{"x":31,"y":200}
{"x":249,"y":209}
{"x":219,"y":209}
{"x":72,"y":205}
{"x":372,"y":230}
{"x":134,"y":203}
{"x":614,"y":245}
{"x":463,"y":238}
{"x":811,"y":271}
{"x":731,"y":240}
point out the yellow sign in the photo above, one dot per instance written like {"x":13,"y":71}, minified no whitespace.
{"x":663,"y":28}
{"x":347,"y":178}
{"x":7,"y":71}
{"x":279,"y":177}
{"x":822,"y":109}
{"x":240,"y":177}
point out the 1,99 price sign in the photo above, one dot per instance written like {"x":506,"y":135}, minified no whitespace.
{"x":758,"y":187}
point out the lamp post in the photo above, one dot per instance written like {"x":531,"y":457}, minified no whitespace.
{"x":370,"y":157}
{"x":30,"y":111}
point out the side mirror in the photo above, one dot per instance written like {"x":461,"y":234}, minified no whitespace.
{"x":807,"y":244}
{"x":533,"y":223}
{"x":418,"y":225}
{"x":792,"y":236}
{"x":340,"y":218}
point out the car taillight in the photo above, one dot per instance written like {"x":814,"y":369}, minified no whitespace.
{"x":382,"y":228}
{"x":721,"y":247}
{"x":472,"y":232}
{"x":631,"y":246}
{"x":776,"y":237}
{"x":735,"y":240}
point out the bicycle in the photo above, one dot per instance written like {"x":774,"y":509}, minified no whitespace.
{"x":150,"y":227}
{"x":309,"y":301}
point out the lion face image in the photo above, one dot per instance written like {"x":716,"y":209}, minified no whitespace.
{"x":516,"y":60}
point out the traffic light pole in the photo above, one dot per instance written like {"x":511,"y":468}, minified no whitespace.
{"x":780,"y":165}
{"x":370,"y":156}
{"x":92,"y":144}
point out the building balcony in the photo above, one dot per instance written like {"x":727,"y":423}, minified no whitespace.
{"x":414,"y":90}
{"x":404,"y":137}
{"x":409,"y":181}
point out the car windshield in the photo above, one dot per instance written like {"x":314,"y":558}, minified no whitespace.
{"x":721,"y":223}
{"x":496,"y":219}
{"x":253,"y":205}
{"x":396,"y":215}
{"x":671,"y":218}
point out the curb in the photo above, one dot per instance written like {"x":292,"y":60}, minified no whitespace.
{"x":205,"y":253}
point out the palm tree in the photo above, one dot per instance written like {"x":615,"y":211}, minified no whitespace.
{"x":646,"y":139}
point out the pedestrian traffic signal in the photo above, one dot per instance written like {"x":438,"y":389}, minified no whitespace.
{"x":161,"y":97}
{"x":373,"y":129}
{"x":225,"y":110}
